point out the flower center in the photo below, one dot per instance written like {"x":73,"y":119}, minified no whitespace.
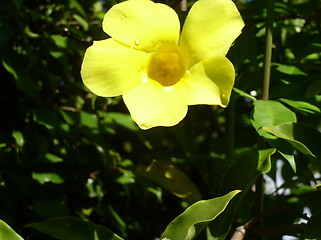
{"x":167,"y":65}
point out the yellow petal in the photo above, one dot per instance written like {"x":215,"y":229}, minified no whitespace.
{"x":151,"y":104}
{"x":111,"y":69}
{"x":208,"y":82}
{"x":142,"y":24}
{"x":210,"y":29}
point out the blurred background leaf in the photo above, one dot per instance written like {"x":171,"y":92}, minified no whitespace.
{"x":67,"y":153}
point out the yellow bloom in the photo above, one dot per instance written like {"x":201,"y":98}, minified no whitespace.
{"x":157,"y":70}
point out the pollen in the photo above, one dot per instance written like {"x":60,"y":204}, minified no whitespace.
{"x":167,"y":65}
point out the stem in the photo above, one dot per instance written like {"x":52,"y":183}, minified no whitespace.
{"x":265,"y":97}
{"x":268,"y":51}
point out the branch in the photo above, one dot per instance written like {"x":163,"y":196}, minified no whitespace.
{"x":248,"y":229}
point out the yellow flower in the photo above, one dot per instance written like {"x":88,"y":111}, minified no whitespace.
{"x":157,"y":70}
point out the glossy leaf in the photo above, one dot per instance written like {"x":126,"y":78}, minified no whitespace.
{"x":264,"y":164}
{"x":303,"y":137}
{"x":301,"y":106}
{"x":270,"y":113}
{"x":7,"y":233}
{"x":185,"y":226}
{"x":74,"y":229}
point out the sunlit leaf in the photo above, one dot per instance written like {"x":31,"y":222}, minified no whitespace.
{"x":88,"y":119}
{"x":290,"y":70}
{"x":53,"y":158}
{"x":74,"y":229}
{"x":301,"y":106}
{"x":172,"y":179}
{"x":47,"y":177}
{"x":270,"y":113}
{"x":264,"y":164}
{"x":312,"y":229}
{"x":19,"y":138}
{"x":195,"y":218}
{"x":244,"y":94}
{"x":81,"y":21}
{"x":303,"y":137}
{"x":7,"y":233}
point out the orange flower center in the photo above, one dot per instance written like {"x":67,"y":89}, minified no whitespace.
{"x":167,"y":65}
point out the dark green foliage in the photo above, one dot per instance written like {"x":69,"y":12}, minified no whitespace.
{"x":60,"y":156}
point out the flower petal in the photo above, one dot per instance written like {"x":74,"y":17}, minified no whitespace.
{"x":151,"y":104}
{"x":111,"y":69}
{"x":208,"y":82}
{"x":210,"y":29}
{"x":142,"y":24}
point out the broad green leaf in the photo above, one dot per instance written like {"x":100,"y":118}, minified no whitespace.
{"x":7,"y":233}
{"x":270,"y":113}
{"x":47,"y":177}
{"x":312,"y":229}
{"x":220,"y":226}
{"x":172,"y":179}
{"x":290,"y":70}
{"x":264,"y":164}
{"x":73,"y":229}
{"x":60,"y":41}
{"x":195,"y":218}
{"x":285,"y":149}
{"x":301,"y":105}
{"x":304,"y":138}
{"x":118,"y":118}
{"x":88,"y":119}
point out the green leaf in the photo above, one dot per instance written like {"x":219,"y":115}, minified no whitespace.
{"x":270,"y":113}
{"x":312,"y":229}
{"x":301,"y":106}
{"x":118,"y":118}
{"x":7,"y":233}
{"x":304,"y":138}
{"x":220,"y":226}
{"x":18,"y":136}
{"x":264,"y":164}
{"x":47,"y":177}
{"x":172,"y":179}
{"x":196,"y":217}
{"x":81,"y":21}
{"x":88,"y":119}
{"x":244,"y":94}
{"x":73,"y":229}
{"x":290,"y":70}
{"x":53,"y":158}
